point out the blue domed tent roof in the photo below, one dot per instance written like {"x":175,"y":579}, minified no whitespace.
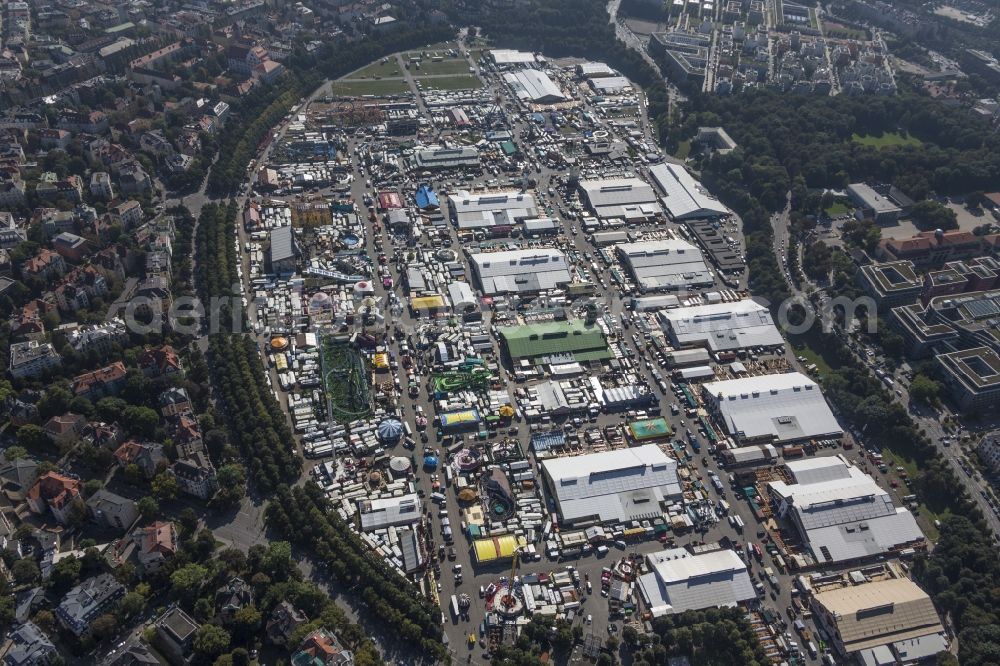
{"x":390,"y":430}
{"x":430,"y":461}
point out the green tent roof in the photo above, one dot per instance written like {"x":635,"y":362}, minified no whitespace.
{"x":649,"y":429}
{"x":585,"y":343}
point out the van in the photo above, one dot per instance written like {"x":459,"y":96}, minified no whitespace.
{"x":438,"y":498}
{"x":602,"y":550}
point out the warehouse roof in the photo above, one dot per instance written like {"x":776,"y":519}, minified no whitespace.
{"x":665,"y":264}
{"x":511,"y":57}
{"x":571,"y":338}
{"x":520,"y":271}
{"x":629,"y":198}
{"x":446,"y":158}
{"x":683,"y":196}
{"x":879,"y":612}
{"x":534,"y":86}
{"x":679,"y":581}
{"x":722,"y":326}
{"x":842,"y":513}
{"x":487,"y":209}
{"x":618,"y":486}
{"x":282,"y":244}
{"x":610,"y":83}
{"x":785,"y":408}
{"x":377,"y":514}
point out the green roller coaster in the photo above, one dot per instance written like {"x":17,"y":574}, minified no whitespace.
{"x":470,"y":374}
{"x":345,"y":380}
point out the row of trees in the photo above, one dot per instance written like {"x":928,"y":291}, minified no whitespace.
{"x":257,"y":426}
{"x":216,"y":261}
{"x":712,"y":636}
{"x":303,"y":514}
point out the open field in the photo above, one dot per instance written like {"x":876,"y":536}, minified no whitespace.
{"x":887,"y":139}
{"x":451,"y":82}
{"x":380,"y":69}
{"x":446,"y":66}
{"x":837,"y":208}
{"x":352,"y":87}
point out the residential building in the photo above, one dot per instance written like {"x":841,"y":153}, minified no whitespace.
{"x":233,"y":597}
{"x":160,"y":362}
{"x":54,"y":492}
{"x":99,"y":383}
{"x":88,"y":601}
{"x":17,"y":477}
{"x":988,"y":449}
{"x":195,"y":475}
{"x":175,"y":631}
{"x":100,"y":338}
{"x":65,"y":428}
{"x":147,"y":456}
{"x":132,"y":179}
{"x":111,"y":510}
{"x":132,"y":654}
{"x":29,"y":646}
{"x":321,"y":648}
{"x":284,"y":620}
{"x":156,"y":143}
{"x":50,"y":188}
{"x":44,"y":265}
{"x":127,"y":213}
{"x":101,"y":187}
{"x":10,"y":234}
{"x":175,"y":401}
{"x":71,"y":246}
{"x":155,"y":545}
{"x":32,"y":358}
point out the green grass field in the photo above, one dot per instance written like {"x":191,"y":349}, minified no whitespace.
{"x":355,"y":87}
{"x":837,"y":208}
{"x":388,"y":69}
{"x":446,"y":66}
{"x":683,"y":149}
{"x":887,"y":139}
{"x":451,"y":82}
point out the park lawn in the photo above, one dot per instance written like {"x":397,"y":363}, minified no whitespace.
{"x":446,"y":66}
{"x":387,"y":69}
{"x":837,"y":208}
{"x":806,"y":344}
{"x":887,"y":139}
{"x":451,"y":82}
{"x":356,"y":87}
{"x":683,"y":149}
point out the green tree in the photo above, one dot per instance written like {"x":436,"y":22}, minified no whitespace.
{"x":164,"y":486}
{"x":32,"y":438}
{"x":210,"y":642}
{"x":15,"y":453}
{"x":149,"y":507}
{"x":141,"y":420}
{"x":25,"y":571}
{"x":130,"y":606}
{"x":924,"y":389}
{"x":65,"y":574}
{"x":186,"y":582}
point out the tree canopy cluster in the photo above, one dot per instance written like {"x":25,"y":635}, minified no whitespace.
{"x":303,"y":514}
{"x":257,"y":426}
{"x":215,"y":245}
{"x":962,"y":574}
